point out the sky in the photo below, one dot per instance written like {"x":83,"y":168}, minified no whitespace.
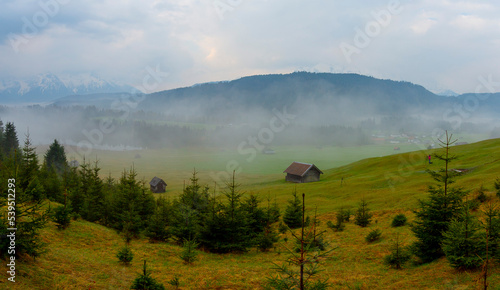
{"x":439,"y":44}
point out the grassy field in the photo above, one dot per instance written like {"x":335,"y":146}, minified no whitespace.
{"x":83,"y":256}
{"x":176,"y":165}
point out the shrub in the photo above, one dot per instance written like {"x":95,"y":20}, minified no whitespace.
{"x":473,"y":204}
{"x":125,"y":255}
{"x":339,"y":225}
{"x":399,"y":220}
{"x":189,"y":254}
{"x":145,"y":281}
{"x":481,"y":196}
{"x":463,"y":243}
{"x":62,"y":217}
{"x":267,"y":239}
{"x":373,"y":236}
{"x":363,"y":216}
{"x":345,"y":214}
{"x":175,"y":282}
{"x":282,"y":228}
{"x":398,"y":257}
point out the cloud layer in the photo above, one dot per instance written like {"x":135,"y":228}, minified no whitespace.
{"x":438,"y":44}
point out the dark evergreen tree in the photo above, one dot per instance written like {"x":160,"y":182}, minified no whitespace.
{"x":398,"y":256}
{"x":62,"y":217}
{"x":93,"y":194}
{"x":133,"y":205}
{"x":273,"y":211}
{"x":125,"y":255}
{"x":256,"y":217}
{"x":189,"y":253}
{"x":52,"y":183}
{"x":10,"y":140}
{"x":463,"y":243}
{"x":29,"y":169}
{"x":158,"y":227}
{"x":301,"y":267}
{"x":363,"y":216}
{"x":293,"y":212}
{"x":433,"y":216}
{"x":497,"y":186}
{"x":226,"y":229}
{"x":491,"y":225}
{"x":55,"y":157}
{"x":190,"y":211}
{"x":145,"y":281}
{"x":399,"y":220}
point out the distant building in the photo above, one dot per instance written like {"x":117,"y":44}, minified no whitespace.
{"x":268,"y":151}
{"x":157,"y":185}
{"x":302,"y":172}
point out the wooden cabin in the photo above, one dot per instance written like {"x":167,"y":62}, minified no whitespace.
{"x":157,"y":185}
{"x":302,"y":172}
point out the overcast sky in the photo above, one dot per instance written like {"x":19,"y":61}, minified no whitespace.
{"x":439,"y":44}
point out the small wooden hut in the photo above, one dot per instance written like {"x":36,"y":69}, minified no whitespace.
{"x":157,"y":185}
{"x":302,"y":172}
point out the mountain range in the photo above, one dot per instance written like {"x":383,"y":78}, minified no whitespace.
{"x":46,"y":88}
{"x":318,"y":97}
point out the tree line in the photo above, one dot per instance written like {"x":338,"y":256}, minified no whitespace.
{"x":231,"y":221}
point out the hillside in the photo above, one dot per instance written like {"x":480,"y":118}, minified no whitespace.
{"x":83,"y":256}
{"x":354,"y":93}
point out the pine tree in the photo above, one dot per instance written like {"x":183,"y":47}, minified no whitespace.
{"x":189,"y":254}
{"x":398,"y":256}
{"x":160,"y":221}
{"x":93,"y":205}
{"x":29,"y":169}
{"x":133,"y":205}
{"x":257,"y":220}
{"x":227,"y":228}
{"x":145,"y":281}
{"x":55,"y":157}
{"x":293,"y":212}
{"x":190,"y":211}
{"x":363,"y":216}
{"x":463,"y":244}
{"x":52,"y":184}
{"x":302,"y":266}
{"x":10,"y":140}
{"x":273,"y":212}
{"x":491,"y":226}
{"x":434,"y":215}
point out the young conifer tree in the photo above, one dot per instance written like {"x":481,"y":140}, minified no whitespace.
{"x":293,"y":212}
{"x":434,"y":215}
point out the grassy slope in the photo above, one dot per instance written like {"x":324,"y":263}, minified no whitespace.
{"x":83,"y":256}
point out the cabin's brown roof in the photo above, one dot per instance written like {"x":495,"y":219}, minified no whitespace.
{"x":155,"y":181}
{"x":299,"y":168}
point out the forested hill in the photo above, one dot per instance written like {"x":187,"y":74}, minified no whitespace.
{"x":350,"y":91}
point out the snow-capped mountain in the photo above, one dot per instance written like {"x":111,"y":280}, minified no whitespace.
{"x":45,"y":88}
{"x":448,"y":93}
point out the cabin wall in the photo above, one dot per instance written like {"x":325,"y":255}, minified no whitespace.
{"x":311,"y":176}
{"x":293,"y":178}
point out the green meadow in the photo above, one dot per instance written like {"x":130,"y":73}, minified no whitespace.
{"x":392,"y":182}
